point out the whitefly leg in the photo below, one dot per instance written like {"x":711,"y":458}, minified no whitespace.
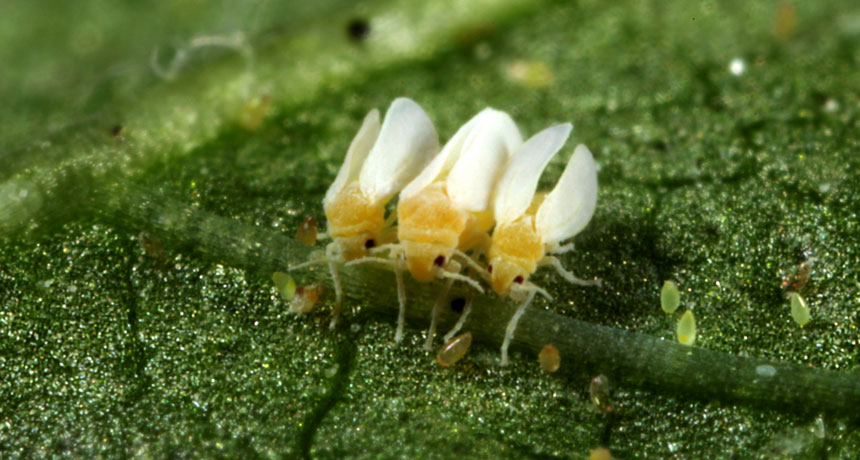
{"x":460,"y":322}
{"x":368,"y":259}
{"x":471,"y":262}
{"x":564,"y":248}
{"x":338,"y":294}
{"x":458,"y":277}
{"x":451,"y":271}
{"x":512,"y":326}
{"x":401,"y":299}
{"x":321,"y":260}
{"x":332,"y":252}
{"x":394,"y":249}
{"x":396,"y":264}
{"x":434,"y":316}
{"x":550,"y":260}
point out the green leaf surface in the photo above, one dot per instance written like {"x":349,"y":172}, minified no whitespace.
{"x":156,"y":160}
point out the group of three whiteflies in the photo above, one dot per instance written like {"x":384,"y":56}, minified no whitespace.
{"x":475,"y":200}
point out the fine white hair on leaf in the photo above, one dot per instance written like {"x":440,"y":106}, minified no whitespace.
{"x":236,"y":41}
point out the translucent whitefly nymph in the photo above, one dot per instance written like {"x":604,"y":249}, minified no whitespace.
{"x":380,"y":161}
{"x":454,"y":350}
{"x":285,"y":285}
{"x":670,"y":297}
{"x":549,"y":358}
{"x":799,"y":309}
{"x":529,"y":229}
{"x":445,"y":211}
{"x":686,"y":329}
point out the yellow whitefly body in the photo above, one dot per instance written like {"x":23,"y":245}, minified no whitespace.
{"x":430,"y":225}
{"x":517,"y":247}
{"x":354,"y":222}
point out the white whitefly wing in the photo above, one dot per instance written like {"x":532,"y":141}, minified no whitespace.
{"x":443,"y":162}
{"x":516,"y":189}
{"x":486,"y":151}
{"x":567,"y":209}
{"x":355,"y":156}
{"x":407,"y":142}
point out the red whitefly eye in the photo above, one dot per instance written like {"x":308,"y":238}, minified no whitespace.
{"x":439,"y":261}
{"x":489,"y":269}
{"x":519,"y":279}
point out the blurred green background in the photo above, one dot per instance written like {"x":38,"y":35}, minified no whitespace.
{"x":726,"y":133}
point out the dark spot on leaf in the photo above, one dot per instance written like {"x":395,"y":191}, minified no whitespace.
{"x":659,"y":145}
{"x":358,"y":29}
